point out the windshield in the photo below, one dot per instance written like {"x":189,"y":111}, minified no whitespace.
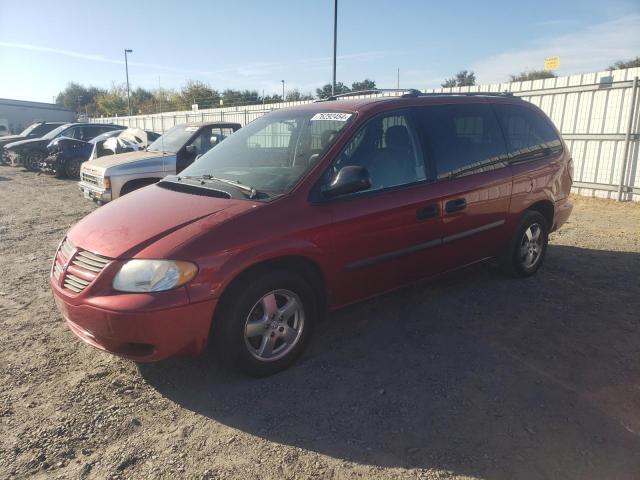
{"x":29,"y":129}
{"x":173,"y":139}
{"x":271,"y":153}
{"x":55,"y":132}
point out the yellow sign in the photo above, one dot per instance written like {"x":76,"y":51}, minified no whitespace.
{"x":551,"y":63}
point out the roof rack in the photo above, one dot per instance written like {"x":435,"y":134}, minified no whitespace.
{"x":414,"y":92}
{"x":411,"y":92}
{"x":468,"y":94}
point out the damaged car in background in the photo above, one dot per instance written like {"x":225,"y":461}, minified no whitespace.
{"x":106,"y":178}
{"x":35,"y":130}
{"x":66,"y":154}
{"x":32,"y":152}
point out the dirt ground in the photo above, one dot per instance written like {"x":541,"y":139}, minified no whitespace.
{"x":473,"y":376}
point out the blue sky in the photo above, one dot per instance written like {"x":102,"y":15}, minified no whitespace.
{"x":255,"y":44}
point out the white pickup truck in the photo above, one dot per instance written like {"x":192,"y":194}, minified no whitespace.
{"x":106,"y":178}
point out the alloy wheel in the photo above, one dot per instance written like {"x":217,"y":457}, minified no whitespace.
{"x":274,"y":325}
{"x":531,"y":246}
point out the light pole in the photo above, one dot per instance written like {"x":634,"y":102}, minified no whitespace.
{"x":282,"y":90}
{"x":126,"y":68}
{"x":335,"y":44}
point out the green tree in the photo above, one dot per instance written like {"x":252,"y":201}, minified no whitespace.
{"x":365,"y":84}
{"x":198,"y":92}
{"x":143,"y":101}
{"x":112,"y":102}
{"x":463,"y":78}
{"x":78,"y":98}
{"x":295,"y":96}
{"x":233,"y":97}
{"x":325,"y":91}
{"x":275,"y":98}
{"x":622,"y":64}
{"x":532,"y":75}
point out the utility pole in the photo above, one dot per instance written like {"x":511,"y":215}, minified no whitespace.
{"x":126,"y":67}
{"x":335,"y":44}
{"x":398,"y":78}
{"x":282,"y":90}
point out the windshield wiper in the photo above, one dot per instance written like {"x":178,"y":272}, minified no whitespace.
{"x":245,"y":188}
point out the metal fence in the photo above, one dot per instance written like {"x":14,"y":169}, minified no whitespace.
{"x":597,"y":113}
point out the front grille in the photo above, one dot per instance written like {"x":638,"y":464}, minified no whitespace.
{"x":92,"y":179}
{"x":82,"y":266}
{"x":90,"y":261}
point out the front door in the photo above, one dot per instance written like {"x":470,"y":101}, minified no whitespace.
{"x":388,"y":235}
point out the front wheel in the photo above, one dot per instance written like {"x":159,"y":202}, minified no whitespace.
{"x":528,"y":246}
{"x":263,"y":326}
{"x":72,"y":168}
{"x":33,"y":159}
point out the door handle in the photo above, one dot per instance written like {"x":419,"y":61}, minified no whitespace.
{"x":429,"y":211}
{"x":455,"y":205}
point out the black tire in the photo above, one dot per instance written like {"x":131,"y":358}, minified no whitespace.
{"x":32,"y":160}
{"x":523,"y":257}
{"x":228,"y":338}
{"x":72,"y":168}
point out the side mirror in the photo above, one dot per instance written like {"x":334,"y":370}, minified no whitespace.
{"x":191,"y":149}
{"x":350,"y":179}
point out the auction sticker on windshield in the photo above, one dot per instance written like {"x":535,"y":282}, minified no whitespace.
{"x":339,"y":117}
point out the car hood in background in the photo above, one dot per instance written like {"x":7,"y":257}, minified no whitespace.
{"x":10,"y":139}
{"x":133,"y":222}
{"x":31,"y":142}
{"x":122,"y":158}
{"x":60,"y":143}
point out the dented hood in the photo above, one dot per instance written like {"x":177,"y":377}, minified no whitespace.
{"x":123,"y":158}
{"x":137,"y":220}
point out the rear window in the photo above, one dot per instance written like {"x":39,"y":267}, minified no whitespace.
{"x":461,"y":138}
{"x":528,"y":133}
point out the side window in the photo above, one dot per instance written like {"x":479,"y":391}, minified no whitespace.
{"x":218,"y":134}
{"x":205,"y":141}
{"x":74,"y":132}
{"x":528,"y":133}
{"x":91,"y":132}
{"x":386,"y":146}
{"x":101,"y":130}
{"x":462,"y":138}
{"x":40,"y":130}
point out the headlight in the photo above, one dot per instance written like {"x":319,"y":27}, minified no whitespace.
{"x":104,"y":182}
{"x":153,"y":275}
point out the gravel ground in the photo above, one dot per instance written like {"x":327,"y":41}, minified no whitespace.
{"x":473,"y":376}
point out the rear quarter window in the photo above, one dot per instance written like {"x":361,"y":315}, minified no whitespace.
{"x":527,"y":132}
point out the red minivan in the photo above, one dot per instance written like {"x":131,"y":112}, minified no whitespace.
{"x":309,"y":209}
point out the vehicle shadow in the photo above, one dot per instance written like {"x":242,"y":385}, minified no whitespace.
{"x":475,"y":373}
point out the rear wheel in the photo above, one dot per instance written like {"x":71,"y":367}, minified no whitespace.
{"x":32,"y":160}
{"x":72,"y":168}
{"x":528,"y":246}
{"x":263,"y":326}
